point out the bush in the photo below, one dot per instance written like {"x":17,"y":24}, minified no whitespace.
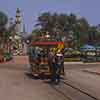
{"x":71,"y":59}
{"x":7,"y":56}
{"x":72,"y":54}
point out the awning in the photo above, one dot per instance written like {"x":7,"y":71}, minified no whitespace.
{"x":88,"y":48}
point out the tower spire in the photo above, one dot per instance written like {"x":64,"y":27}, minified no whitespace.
{"x":18,"y":21}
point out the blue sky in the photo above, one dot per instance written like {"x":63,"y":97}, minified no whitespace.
{"x":33,"y":8}
{"x":90,"y":9}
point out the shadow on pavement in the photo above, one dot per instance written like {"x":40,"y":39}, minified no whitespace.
{"x":41,"y":76}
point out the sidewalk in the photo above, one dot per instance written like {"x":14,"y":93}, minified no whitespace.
{"x":91,"y":70}
{"x":86,"y":63}
{"x":18,"y":63}
{"x":73,"y":63}
{"x":95,"y":71}
{"x":17,"y":60}
{"x":24,"y":60}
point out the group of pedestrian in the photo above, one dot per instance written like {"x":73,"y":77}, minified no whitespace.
{"x":55,"y":62}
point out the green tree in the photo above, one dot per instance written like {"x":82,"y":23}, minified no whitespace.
{"x":35,"y":33}
{"x":3,"y":21}
{"x":81,"y":31}
{"x":92,"y":32}
{"x":75,"y":30}
{"x":45,"y":21}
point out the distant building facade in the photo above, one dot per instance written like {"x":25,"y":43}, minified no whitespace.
{"x":17,"y":45}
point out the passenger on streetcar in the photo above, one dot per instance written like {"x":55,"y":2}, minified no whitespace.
{"x":50,"y":59}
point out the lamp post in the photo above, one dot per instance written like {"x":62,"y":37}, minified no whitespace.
{"x":17,"y":37}
{"x":27,"y":41}
{"x":47,"y":36}
{"x":63,"y":38}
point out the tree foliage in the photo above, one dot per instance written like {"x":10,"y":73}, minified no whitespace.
{"x":3,"y":21}
{"x":76,"y":31}
{"x":3,"y":30}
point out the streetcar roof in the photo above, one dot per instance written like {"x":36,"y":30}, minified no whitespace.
{"x":46,"y":43}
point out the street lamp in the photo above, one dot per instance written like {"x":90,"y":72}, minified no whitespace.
{"x":47,"y":35}
{"x":27,"y":41}
{"x":63,"y":38}
{"x":10,"y":37}
{"x":17,"y":37}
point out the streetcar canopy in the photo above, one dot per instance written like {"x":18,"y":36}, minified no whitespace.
{"x":47,"y":43}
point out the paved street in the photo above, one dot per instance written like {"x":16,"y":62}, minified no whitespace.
{"x":84,"y":77}
{"x":15,"y":83}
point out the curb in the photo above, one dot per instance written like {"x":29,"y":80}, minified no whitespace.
{"x":82,"y":63}
{"x":73,"y":63}
{"x":91,"y":72}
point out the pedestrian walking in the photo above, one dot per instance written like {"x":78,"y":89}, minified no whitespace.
{"x":57,"y":64}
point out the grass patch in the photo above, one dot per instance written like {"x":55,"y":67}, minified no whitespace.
{"x":71,"y":59}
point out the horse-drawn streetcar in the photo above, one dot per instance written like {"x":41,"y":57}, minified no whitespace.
{"x":38,"y":57}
